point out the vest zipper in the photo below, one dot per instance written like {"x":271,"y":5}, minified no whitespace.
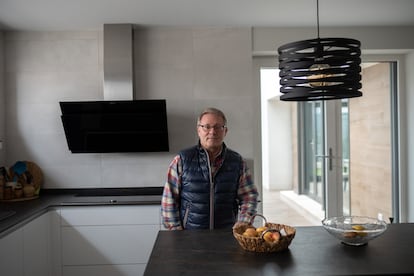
{"x":211,"y":224}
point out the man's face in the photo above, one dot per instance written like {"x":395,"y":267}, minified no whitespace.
{"x":211,"y":131}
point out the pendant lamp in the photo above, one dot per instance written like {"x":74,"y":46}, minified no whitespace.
{"x":320,"y":69}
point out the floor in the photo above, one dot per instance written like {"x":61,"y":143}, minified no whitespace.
{"x":286,"y":207}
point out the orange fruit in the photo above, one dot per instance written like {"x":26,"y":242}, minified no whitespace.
{"x":260,"y":230}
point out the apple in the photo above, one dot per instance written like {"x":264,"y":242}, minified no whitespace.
{"x":275,"y":236}
{"x":250,"y":232}
{"x":268,"y":236}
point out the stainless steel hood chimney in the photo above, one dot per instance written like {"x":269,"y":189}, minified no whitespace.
{"x":119,"y":123}
{"x":118,"y":62}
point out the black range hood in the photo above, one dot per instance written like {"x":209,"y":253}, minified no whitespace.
{"x":115,"y":126}
{"x":119,"y":123}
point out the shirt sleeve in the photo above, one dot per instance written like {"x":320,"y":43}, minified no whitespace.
{"x":170,"y":202}
{"x":247,"y":194}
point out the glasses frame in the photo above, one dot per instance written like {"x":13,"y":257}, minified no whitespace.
{"x":207,"y":128}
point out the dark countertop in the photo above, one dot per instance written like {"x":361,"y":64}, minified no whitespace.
{"x":313,"y":252}
{"x":21,"y":212}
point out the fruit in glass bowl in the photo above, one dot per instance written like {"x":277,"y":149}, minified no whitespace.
{"x":354,"y":230}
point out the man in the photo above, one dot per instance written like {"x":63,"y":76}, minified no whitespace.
{"x":208,"y":185}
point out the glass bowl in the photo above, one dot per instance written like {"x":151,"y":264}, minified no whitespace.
{"x":354,"y":230}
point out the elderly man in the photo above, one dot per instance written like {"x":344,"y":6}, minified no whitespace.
{"x":209,"y":186}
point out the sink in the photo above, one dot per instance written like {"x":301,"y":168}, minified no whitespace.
{"x":6,"y":213}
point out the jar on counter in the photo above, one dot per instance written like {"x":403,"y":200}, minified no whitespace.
{"x":9,"y":188}
{"x":28,"y":190}
{"x":7,"y":193}
{"x":18,"y":192}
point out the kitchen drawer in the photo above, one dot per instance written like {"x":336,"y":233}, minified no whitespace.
{"x":111,"y":215}
{"x":104,"y":270}
{"x":114,"y":244}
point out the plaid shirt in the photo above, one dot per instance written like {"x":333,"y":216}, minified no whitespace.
{"x":170,"y":204}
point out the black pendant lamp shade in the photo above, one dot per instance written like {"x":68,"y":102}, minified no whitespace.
{"x":320,"y":69}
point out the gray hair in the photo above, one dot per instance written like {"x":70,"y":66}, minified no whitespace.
{"x":212,"y":110}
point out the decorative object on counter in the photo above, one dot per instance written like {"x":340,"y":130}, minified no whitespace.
{"x":18,"y":191}
{"x":271,"y":237}
{"x":354,"y":230}
{"x":20,"y":182}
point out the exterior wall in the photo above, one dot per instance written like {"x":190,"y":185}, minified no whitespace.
{"x":407,"y":194}
{"x":276,"y":134}
{"x":370,"y":148}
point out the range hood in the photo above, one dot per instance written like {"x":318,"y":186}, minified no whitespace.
{"x":119,"y":123}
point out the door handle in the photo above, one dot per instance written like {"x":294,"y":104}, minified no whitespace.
{"x":329,"y":157}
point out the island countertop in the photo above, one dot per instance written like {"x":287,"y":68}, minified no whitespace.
{"x":313,"y":251}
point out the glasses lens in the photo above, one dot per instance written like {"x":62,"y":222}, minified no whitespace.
{"x":208,"y":127}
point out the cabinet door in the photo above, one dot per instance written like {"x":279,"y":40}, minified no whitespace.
{"x":107,"y":244}
{"x":11,"y":254}
{"x":25,"y":252}
{"x":36,"y":244}
{"x":108,"y":240}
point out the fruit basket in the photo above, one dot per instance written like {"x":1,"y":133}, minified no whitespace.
{"x":20,"y":182}
{"x":271,"y":237}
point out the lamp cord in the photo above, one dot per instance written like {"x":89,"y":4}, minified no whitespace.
{"x":317,"y":15}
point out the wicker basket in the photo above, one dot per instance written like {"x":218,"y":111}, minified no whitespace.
{"x":30,"y":179}
{"x":258,"y":244}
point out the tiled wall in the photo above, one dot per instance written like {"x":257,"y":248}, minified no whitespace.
{"x":191,"y":68}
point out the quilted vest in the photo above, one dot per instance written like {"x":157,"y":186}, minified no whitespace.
{"x":199,"y":191}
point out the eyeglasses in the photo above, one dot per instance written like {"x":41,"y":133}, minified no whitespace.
{"x":207,"y":128}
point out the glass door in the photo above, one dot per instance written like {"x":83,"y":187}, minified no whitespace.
{"x":344,"y":154}
{"x":321,"y":158}
{"x":313,"y":157}
{"x":347,"y":154}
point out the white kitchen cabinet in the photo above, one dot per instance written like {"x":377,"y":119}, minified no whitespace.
{"x":26,"y":251}
{"x":108,"y":240}
{"x":11,"y":254}
{"x":36,"y":247}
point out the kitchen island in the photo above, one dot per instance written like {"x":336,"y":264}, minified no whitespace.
{"x":313,"y":252}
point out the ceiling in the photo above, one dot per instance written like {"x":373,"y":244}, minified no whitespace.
{"x":51,"y":15}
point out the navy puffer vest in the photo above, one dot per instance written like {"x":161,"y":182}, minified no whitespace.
{"x":197,"y":189}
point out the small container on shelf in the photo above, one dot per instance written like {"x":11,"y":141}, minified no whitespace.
{"x":28,"y":190}
{"x":8,"y":193}
{"x":18,"y":192}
